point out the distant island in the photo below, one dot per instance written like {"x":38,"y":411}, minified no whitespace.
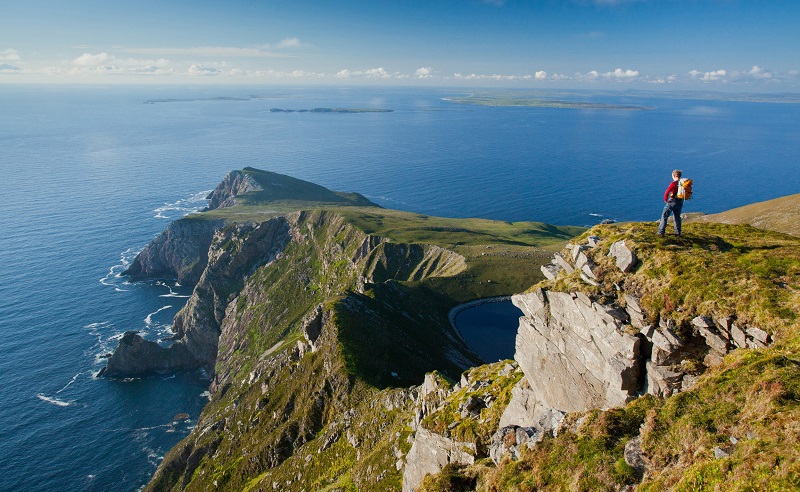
{"x":506,"y":100}
{"x":331,"y":110}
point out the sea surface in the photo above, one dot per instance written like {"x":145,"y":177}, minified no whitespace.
{"x":91,"y":174}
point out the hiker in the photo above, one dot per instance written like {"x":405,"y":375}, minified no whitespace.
{"x":673,"y":205}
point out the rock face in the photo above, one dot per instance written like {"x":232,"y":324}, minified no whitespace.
{"x":235,"y":253}
{"x":180,"y":252}
{"x":574,"y":353}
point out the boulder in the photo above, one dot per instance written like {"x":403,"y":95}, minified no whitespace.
{"x":560,"y":261}
{"x":592,"y":241}
{"x":626,"y":259}
{"x":550,"y":271}
{"x":633,"y":454}
{"x":430,"y":453}
{"x":661,"y":381}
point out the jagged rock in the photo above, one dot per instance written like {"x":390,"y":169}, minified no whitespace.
{"x":589,"y":280}
{"x":430,"y":453}
{"x":708,"y":330}
{"x":759,"y":335}
{"x":577,"y":249}
{"x":510,"y":440}
{"x":592,"y":241}
{"x":723,"y":452}
{"x":666,"y":329}
{"x":738,"y":335}
{"x":634,"y":310}
{"x":560,"y":261}
{"x":661,"y":381}
{"x":574,"y":355}
{"x":626,"y":259}
{"x":688,"y":382}
{"x":312,"y":326}
{"x":472,"y":407}
{"x":588,"y":270}
{"x":633,"y":454}
{"x":581,"y":261}
{"x":550,"y":271}
{"x":525,"y":411}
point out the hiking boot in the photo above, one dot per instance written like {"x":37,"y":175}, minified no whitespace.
{"x":660,"y":234}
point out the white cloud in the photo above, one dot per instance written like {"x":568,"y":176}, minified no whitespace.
{"x":203,"y":70}
{"x":343,"y":73}
{"x":622,"y":74}
{"x":423,"y":73}
{"x":540,"y":75}
{"x":713,"y":76}
{"x":9,"y":55}
{"x":291,"y":43}
{"x":90,"y":60}
{"x":759,"y":73}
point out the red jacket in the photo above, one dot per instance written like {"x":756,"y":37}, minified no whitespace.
{"x":672,"y":190}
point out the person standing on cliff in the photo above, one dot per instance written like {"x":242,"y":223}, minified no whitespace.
{"x":673,"y":205}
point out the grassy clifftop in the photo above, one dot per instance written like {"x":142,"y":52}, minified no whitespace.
{"x":736,"y":429}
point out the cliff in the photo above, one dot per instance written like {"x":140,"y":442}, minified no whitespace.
{"x":313,"y":324}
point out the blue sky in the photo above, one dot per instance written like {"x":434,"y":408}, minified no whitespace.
{"x":732,"y":45}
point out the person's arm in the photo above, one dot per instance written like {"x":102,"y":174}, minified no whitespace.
{"x":671,"y":189}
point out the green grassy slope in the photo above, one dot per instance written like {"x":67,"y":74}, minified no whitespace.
{"x":781,"y":215}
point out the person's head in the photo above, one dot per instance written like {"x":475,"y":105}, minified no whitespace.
{"x":676,"y":174}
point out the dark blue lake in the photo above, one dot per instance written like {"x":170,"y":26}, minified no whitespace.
{"x":490,"y":329}
{"x":91,"y":174}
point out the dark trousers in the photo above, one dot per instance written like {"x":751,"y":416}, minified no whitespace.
{"x":672,"y":207}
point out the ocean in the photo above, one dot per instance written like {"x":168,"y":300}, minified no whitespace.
{"x":91,"y":174}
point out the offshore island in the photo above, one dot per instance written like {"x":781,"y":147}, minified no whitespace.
{"x":641,"y":362}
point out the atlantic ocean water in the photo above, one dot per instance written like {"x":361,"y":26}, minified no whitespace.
{"x":91,"y":174}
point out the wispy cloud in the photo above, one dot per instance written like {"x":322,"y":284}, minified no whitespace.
{"x":276,"y":50}
{"x":372,"y":73}
{"x":6,"y":68}
{"x":10,"y":55}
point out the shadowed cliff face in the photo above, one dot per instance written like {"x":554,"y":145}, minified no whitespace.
{"x":180,"y":252}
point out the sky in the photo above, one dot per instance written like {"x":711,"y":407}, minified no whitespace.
{"x":724,"y":45}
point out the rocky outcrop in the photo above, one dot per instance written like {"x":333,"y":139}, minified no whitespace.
{"x":430,"y":453}
{"x":136,"y":356}
{"x":574,"y":352}
{"x":180,"y":252}
{"x":235,"y":183}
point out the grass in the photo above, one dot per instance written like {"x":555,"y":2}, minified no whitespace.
{"x":716,"y":270}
